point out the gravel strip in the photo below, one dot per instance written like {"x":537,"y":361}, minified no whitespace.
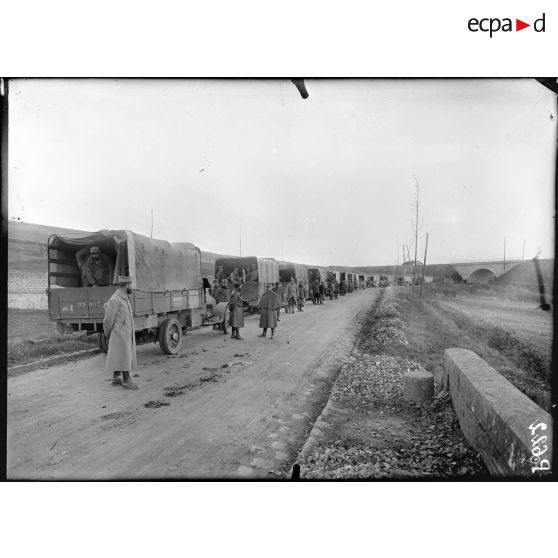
{"x":428,"y":442}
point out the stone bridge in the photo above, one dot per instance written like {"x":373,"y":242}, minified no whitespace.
{"x":484,"y":271}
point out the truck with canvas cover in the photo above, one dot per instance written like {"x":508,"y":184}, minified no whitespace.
{"x":167,"y":295}
{"x":343,"y":286}
{"x":251,"y":272}
{"x":298,"y":271}
{"x":332,"y":276}
{"x":315,"y":276}
{"x":383,"y":281}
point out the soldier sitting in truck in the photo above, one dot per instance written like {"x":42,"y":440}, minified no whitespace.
{"x":97,"y":269}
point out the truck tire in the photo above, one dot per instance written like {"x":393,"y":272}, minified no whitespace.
{"x":170,"y":335}
{"x":102,"y":342}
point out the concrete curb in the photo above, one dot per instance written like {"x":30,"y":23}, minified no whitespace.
{"x":321,"y":424}
{"x":58,"y":359}
{"x":511,"y":432}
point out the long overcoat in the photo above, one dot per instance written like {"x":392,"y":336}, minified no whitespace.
{"x":236,"y":317}
{"x":118,"y":326}
{"x":292,"y":292}
{"x":278,"y":290}
{"x":268,"y":309}
{"x":301,"y":294}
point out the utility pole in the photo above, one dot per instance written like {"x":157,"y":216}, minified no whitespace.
{"x":504,"y":254}
{"x":240,"y":240}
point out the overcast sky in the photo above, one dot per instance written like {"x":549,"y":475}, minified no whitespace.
{"x":326,"y":180}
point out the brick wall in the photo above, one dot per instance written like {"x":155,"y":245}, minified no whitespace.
{"x":27,"y":289}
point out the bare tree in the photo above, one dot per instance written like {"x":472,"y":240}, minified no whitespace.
{"x":415,"y":224}
{"x":415,"y":228}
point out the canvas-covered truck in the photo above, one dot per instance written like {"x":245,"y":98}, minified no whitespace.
{"x":252,"y":272}
{"x":383,"y":281}
{"x":343,"y":285}
{"x":315,"y":276}
{"x":167,"y":295}
{"x":297,"y":271}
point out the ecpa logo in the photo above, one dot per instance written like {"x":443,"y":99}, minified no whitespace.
{"x":492,"y":25}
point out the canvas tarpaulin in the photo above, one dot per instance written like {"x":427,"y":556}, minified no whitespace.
{"x":153,"y":265}
{"x":268,"y":270}
{"x":300,"y":272}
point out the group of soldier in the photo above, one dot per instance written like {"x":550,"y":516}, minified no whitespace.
{"x":97,"y":270}
{"x":274,"y":298}
{"x":237,"y":275}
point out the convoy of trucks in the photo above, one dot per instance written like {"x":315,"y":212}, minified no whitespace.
{"x":169,"y":294}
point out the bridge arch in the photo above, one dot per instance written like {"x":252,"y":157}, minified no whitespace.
{"x":481,"y":275}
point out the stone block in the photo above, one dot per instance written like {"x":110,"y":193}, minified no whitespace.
{"x":418,"y":386}
{"x":497,"y":419}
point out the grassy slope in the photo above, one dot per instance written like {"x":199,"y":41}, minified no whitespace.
{"x":32,"y":337}
{"x":437,"y":324}
{"x":27,"y":251}
{"x":27,"y":247}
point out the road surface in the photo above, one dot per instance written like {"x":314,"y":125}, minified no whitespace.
{"x":240,"y":408}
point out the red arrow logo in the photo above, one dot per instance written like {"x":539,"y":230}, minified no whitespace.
{"x":519,"y":25}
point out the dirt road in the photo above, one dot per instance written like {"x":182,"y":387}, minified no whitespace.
{"x":240,"y":408}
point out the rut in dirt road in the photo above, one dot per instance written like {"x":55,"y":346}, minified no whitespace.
{"x":221,"y":408}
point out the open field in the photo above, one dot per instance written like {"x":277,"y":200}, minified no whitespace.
{"x":512,"y":337}
{"x":522,"y":319}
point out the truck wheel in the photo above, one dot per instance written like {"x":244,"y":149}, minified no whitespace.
{"x":102,"y":342}
{"x":170,"y":335}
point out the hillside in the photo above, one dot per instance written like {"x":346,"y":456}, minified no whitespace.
{"x":27,"y":244}
{"x":525,"y":275}
{"x":27,"y":252}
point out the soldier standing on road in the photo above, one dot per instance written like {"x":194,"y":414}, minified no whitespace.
{"x":268,"y":306}
{"x":236,"y":307}
{"x":118,"y":327}
{"x":321,"y":290}
{"x":278,"y":290}
{"x":292,"y":296}
{"x":317,"y":292}
{"x":301,"y":296}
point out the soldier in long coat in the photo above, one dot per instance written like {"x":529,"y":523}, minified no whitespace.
{"x":268,"y":310}
{"x":236,"y":317}
{"x":118,"y":327}
{"x":292,"y":296}
{"x":278,"y":290}
{"x":301,"y":296}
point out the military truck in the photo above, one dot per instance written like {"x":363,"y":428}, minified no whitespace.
{"x":167,"y":296}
